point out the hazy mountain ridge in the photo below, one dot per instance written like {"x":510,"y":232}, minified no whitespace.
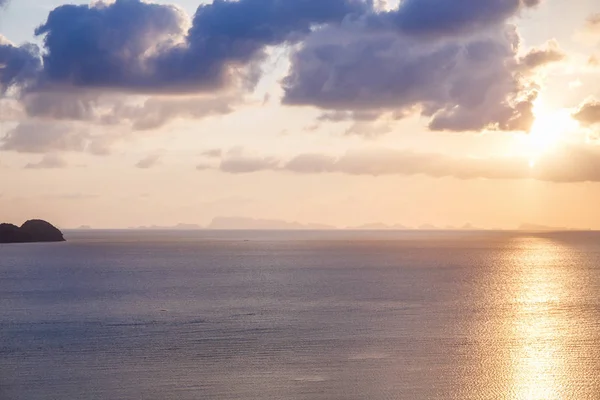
{"x":542,"y":228}
{"x":248,"y":223}
{"x":253,"y":223}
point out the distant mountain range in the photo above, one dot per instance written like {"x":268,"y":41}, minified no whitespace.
{"x":245,"y":223}
{"x":541,"y":228}
{"x":226,"y":223}
{"x":378,"y":226}
{"x":181,"y":227}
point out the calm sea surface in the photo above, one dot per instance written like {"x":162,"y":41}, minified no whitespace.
{"x":312,"y":316}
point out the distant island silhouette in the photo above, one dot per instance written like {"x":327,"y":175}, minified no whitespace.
{"x":32,"y":231}
{"x":233,"y":223}
{"x":541,"y":228}
{"x":248,"y":223}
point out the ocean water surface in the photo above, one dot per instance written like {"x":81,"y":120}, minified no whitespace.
{"x":301,"y":315}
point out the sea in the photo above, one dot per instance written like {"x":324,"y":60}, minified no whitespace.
{"x":341,"y":315}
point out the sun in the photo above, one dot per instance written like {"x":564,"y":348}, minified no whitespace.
{"x":547,"y":132}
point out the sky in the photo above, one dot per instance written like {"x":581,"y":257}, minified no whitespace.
{"x":126,"y":113}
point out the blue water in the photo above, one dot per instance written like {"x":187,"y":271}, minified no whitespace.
{"x":306,"y":315}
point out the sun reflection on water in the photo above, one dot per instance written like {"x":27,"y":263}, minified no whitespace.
{"x":539,"y":328}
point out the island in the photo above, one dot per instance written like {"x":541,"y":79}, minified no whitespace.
{"x":32,"y":231}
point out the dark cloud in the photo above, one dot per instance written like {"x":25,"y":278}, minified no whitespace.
{"x":570,"y":163}
{"x":226,"y":34}
{"x":133,"y":45}
{"x":49,"y":161}
{"x":238,"y":29}
{"x":4,"y":3}
{"x":443,"y":17}
{"x":461,"y":84}
{"x":146,"y":47}
{"x":108,"y":46}
{"x":455,"y":62}
{"x":19,"y":66}
{"x":97,"y":57}
{"x":588,"y":113}
{"x":148,"y":162}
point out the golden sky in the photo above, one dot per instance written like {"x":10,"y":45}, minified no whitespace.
{"x":337,"y":112}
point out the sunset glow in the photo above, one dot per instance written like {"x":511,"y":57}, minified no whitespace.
{"x":299,"y":199}
{"x":181,"y":116}
{"x":548,"y":131}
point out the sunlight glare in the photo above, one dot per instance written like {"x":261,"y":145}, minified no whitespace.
{"x":531,"y":163}
{"x":548,"y":130}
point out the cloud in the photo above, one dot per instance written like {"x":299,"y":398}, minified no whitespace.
{"x":444,"y":17}
{"x":138,"y":114}
{"x":535,"y":58}
{"x":465,"y":83}
{"x":141,"y":65}
{"x":240,"y":164}
{"x":49,"y":161}
{"x":10,"y":110}
{"x":310,"y":164}
{"x":455,"y":63}
{"x":19,"y":66}
{"x":213,"y":153}
{"x":203,"y":167}
{"x":368,"y":129}
{"x":400,"y":162}
{"x":340,"y":116}
{"x":588,"y":113}
{"x":109,"y":45}
{"x":148,"y":162}
{"x":570,"y":163}
{"x":66,"y":105}
{"x":589,"y":33}
{"x":37,"y":137}
{"x":147,"y":47}
{"x":143,"y":47}
{"x":156,"y":112}
{"x":593,"y":23}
